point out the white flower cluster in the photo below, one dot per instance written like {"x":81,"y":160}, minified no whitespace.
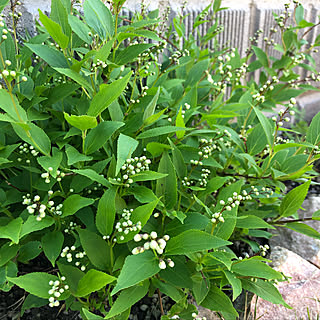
{"x":46,"y":175}
{"x":34,"y":206}
{"x":231,"y":203}
{"x":25,"y":148}
{"x":57,"y":288}
{"x":204,"y":177}
{"x":264,"y":249}
{"x":177,"y":55}
{"x":95,"y":66}
{"x":194,"y":316}
{"x":131,"y":167}
{"x":125,"y":226}
{"x":282,"y":113}
{"x":152,"y":242}
{"x":71,"y":227}
{"x":67,"y":253}
{"x":259,"y":96}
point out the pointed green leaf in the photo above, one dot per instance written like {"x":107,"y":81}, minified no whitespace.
{"x":106,"y":211}
{"x":97,"y":249}
{"x":293,"y":200}
{"x":99,"y":17}
{"x":107,"y":94}
{"x":127,"y":298}
{"x":126,"y":146}
{"x":80,"y":28}
{"x":53,"y":57}
{"x":99,"y":135}
{"x":55,"y":30}
{"x":193,"y":241}
{"x":52,"y":243}
{"x":145,"y":265}
{"x":74,"y":203}
{"x":93,"y":280}
{"x":12,"y":230}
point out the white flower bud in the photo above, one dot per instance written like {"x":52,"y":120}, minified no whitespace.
{"x":162,"y":264}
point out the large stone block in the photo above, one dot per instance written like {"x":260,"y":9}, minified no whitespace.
{"x":301,"y":293}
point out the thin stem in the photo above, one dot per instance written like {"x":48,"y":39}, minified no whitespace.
{"x":160,"y":300}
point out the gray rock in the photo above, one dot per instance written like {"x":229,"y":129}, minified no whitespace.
{"x":306,"y":247}
{"x":301,"y":293}
{"x":309,"y":104}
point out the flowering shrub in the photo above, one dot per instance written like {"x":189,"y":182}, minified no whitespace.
{"x":133,"y":158}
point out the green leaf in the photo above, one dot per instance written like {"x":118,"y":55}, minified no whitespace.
{"x":52,"y":243}
{"x":74,"y":156}
{"x":178,"y":161}
{"x":108,"y":93}
{"x":12,"y":230}
{"x":196,"y":72}
{"x":299,"y":13}
{"x":59,"y":14}
{"x":257,"y":140}
{"x":167,"y":186}
{"x":304,"y":229}
{"x":293,"y":200}
{"x":265,"y":290}
{"x":36,"y":283}
{"x":252,"y":222}
{"x":216,"y":300}
{"x":99,"y":17}
{"x":72,"y":274}
{"x":180,"y":123}
{"x":255,"y":268}
{"x":140,"y":214}
{"x":33,"y":135}
{"x":10,"y":104}
{"x":149,"y":111}
{"x":93,"y":280}
{"x":193,"y":241}
{"x":268,"y":129}
{"x":54,"y":30}
{"x":53,"y":162}
{"x":81,"y":122}
{"x":145,"y":265}
{"x":74,"y":203}
{"x":3,"y":3}
{"x":131,"y":52}
{"x":159,"y":131}
{"x":313,"y":133}
{"x":126,"y":146}
{"x":7,"y":252}
{"x":32,"y":301}
{"x":32,"y":225}
{"x":75,"y":76}
{"x":147,"y":176}
{"x":127,"y":298}
{"x":93,"y":175}
{"x":80,"y":28}
{"x":106,"y":211}
{"x":168,"y":289}
{"x":235,"y":283}
{"x":53,"y":57}
{"x":153,"y":118}
{"x":96,"y":248}
{"x":29,"y":251}
{"x":200,"y":287}
{"x":91,"y":316}
{"x":225,"y":230}
{"x":98,"y":136}
{"x":261,"y":55}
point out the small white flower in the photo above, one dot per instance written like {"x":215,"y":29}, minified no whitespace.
{"x":153,"y":235}
{"x":162,"y":264}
